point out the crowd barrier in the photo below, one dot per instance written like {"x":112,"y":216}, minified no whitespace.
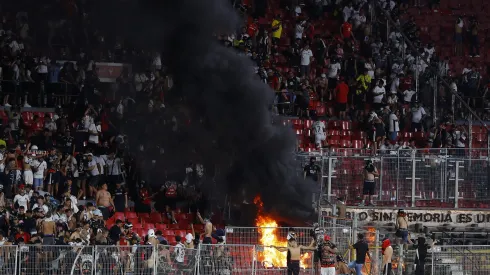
{"x":464,"y":259}
{"x":410,"y":178}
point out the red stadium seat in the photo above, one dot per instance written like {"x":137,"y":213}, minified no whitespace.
{"x":143,"y":215}
{"x":168,"y":232}
{"x":156,"y":217}
{"x":161,"y":226}
{"x":119,"y":216}
{"x":130,"y":215}
{"x":149,"y":226}
{"x":181,"y":233}
{"x":134,"y":220}
{"x":171,"y":240}
{"x":137,"y":225}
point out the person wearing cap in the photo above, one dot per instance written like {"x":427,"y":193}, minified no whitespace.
{"x":97,"y":221}
{"x":294,"y":253}
{"x":152,"y":238}
{"x":327,"y":256}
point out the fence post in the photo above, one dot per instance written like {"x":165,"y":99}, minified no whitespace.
{"x":380,"y":196}
{"x":432,"y":265}
{"x":16,"y":259}
{"x":376,"y":253}
{"x":254,"y":258}
{"x":329,"y":179}
{"x":456,"y":184}
{"x":413,"y":178}
{"x":198,"y":264}
{"x":94,"y":256}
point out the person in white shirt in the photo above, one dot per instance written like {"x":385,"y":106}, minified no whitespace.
{"x":306,"y":56}
{"x":113,"y":168}
{"x":394,"y":126}
{"x":94,"y":130}
{"x":100,"y":164}
{"x":22,"y":199}
{"x":392,"y":100}
{"x":407,"y":96}
{"x":40,"y":170}
{"x":300,"y":27}
{"x":92,"y":170}
{"x":28,"y":175}
{"x":459,"y":136}
{"x":347,"y":12}
{"x":418,"y":114}
{"x":318,"y":128}
{"x":378,"y":95}
{"x":359,"y":20}
{"x":333,"y":73}
{"x":40,"y":204}
{"x":179,"y":253}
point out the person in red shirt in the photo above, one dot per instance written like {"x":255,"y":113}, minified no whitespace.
{"x":341,"y":92}
{"x":406,"y":83}
{"x":145,"y":200}
{"x":253,"y":31}
{"x":346,"y":31}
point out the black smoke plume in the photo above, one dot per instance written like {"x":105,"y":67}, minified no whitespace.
{"x":228,"y":106}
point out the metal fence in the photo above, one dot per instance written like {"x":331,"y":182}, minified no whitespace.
{"x":411,"y":178}
{"x":461,"y":260}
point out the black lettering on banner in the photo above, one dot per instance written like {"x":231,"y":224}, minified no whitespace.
{"x":480,"y":218}
{"x":448,"y":218}
{"x":375,"y":216}
{"x":487,"y":218}
{"x":469,"y":218}
{"x":427,"y":217}
{"x":387,"y":216}
{"x":460,"y":218}
{"x":417,"y":217}
{"x":363,"y":216}
{"x":437,"y":218}
{"x":409,"y":217}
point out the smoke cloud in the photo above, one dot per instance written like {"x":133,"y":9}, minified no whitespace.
{"x":228,"y":105}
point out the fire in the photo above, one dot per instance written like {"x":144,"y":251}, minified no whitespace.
{"x":267,"y":227}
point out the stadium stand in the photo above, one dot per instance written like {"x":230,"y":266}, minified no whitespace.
{"x":305,"y":52}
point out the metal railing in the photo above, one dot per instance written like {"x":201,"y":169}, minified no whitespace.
{"x":413,"y":178}
{"x":463,"y":260}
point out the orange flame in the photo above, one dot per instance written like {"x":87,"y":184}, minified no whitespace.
{"x":267,"y":227}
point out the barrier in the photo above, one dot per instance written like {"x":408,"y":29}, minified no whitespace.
{"x":8,"y":259}
{"x":409,"y":178}
{"x":226,"y":259}
{"x":460,"y":260}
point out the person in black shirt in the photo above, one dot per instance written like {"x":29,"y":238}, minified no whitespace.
{"x":116,"y":231}
{"x":421,"y":254}
{"x":362,"y":249}
{"x":66,"y":142}
{"x":120,"y":198}
{"x":312,"y":170}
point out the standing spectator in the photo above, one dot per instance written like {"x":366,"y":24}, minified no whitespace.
{"x":334,"y":69}
{"x":418,"y":114}
{"x":421,"y":255}
{"x":319,"y":131}
{"x":402,"y":226}
{"x":253,"y":31}
{"x":306,"y":56}
{"x":458,"y":36}
{"x":179,"y":253}
{"x":387,"y":251}
{"x":276,"y":29}
{"x":120,"y":198}
{"x":474,"y":42}
{"x":312,"y":170}
{"x":341,"y":93}
{"x":346,"y":31}
{"x":394,"y":127}
{"x":362,"y":250}
{"x":378,"y":95}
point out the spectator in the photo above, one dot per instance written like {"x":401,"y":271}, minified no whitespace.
{"x":342,"y":94}
{"x":306,"y":56}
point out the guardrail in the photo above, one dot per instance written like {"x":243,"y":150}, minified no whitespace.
{"x":414,"y":178}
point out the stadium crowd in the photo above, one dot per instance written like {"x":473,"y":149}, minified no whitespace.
{"x":323,"y":59}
